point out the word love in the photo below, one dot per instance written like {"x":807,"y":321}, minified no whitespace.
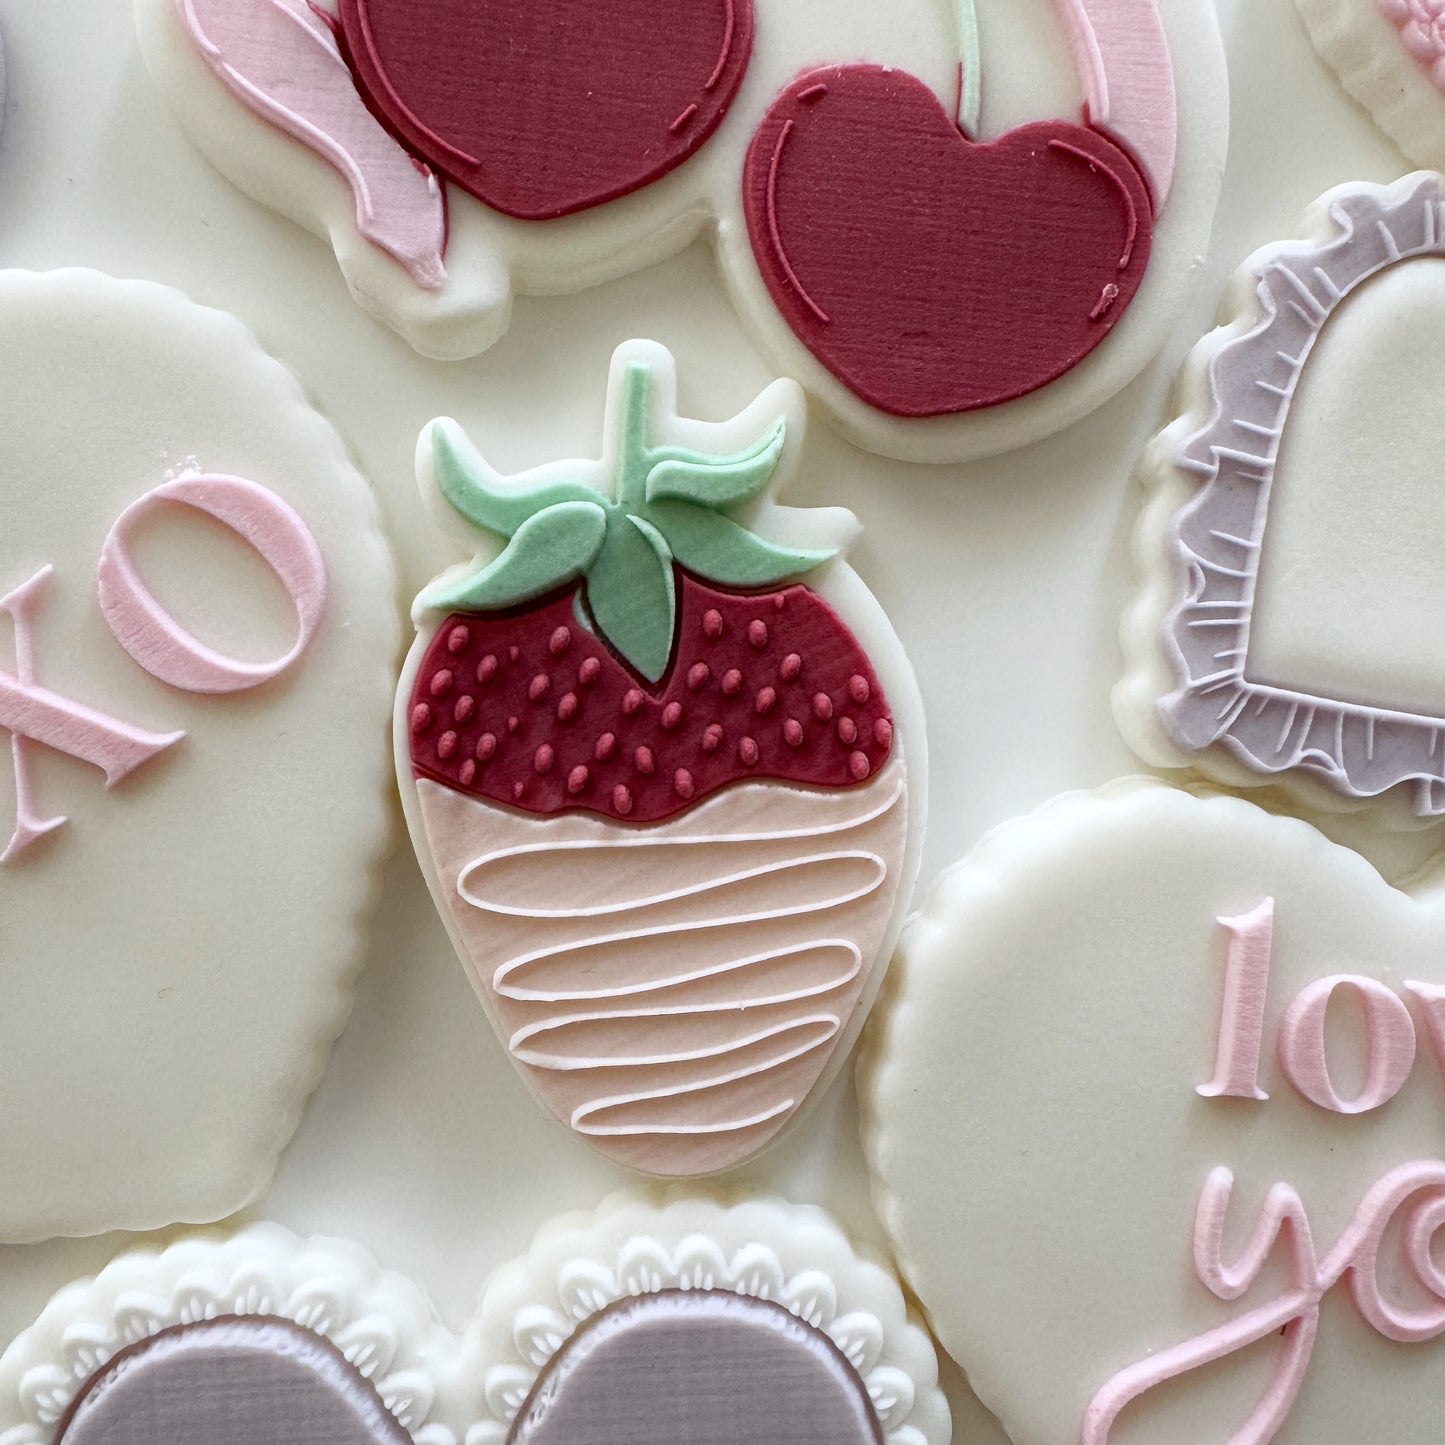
{"x":33,"y":714}
{"x":1302,"y":1049}
{"x":1415,"y":1193}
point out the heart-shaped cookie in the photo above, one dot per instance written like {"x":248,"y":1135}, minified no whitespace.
{"x":1286,"y":628}
{"x":1156,"y":1126}
{"x":643,"y":1323}
{"x":199,"y":622}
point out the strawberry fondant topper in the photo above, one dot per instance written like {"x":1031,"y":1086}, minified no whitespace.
{"x":655,"y":772}
{"x":935,"y":284}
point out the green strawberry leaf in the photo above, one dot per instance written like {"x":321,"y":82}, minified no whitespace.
{"x":717,"y":482}
{"x":487,"y":506}
{"x":546,"y":550}
{"x":630,"y":594}
{"x":723,"y":552}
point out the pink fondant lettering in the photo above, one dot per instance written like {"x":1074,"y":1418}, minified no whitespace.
{"x":280,"y":58}
{"x":1294,"y":1315}
{"x":1432,"y":1002}
{"x":1122,"y":56}
{"x":1241,"y":1015}
{"x":1390,"y":1041}
{"x":154,"y":639}
{"x":34,"y":714}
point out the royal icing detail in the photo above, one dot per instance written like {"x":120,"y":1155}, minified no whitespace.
{"x":607,"y":136}
{"x":1067,"y":988}
{"x":640,"y":1323}
{"x":1355,"y":714}
{"x":629,"y":726}
{"x":193,"y":594}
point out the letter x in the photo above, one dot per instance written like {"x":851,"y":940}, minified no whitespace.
{"x":34,"y":714}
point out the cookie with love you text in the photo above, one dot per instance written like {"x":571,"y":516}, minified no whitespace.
{"x":645,"y":1323}
{"x":194,"y":605}
{"x":1156,"y":1126}
{"x":1284,"y":631}
{"x":662,"y":758}
{"x":455,"y":153}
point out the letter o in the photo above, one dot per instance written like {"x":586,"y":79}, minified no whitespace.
{"x":155,"y":639}
{"x":1389,"y":1039}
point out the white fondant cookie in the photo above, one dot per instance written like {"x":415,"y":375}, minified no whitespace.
{"x":1063,"y":158}
{"x":663,"y":761}
{"x":1285,"y":630}
{"x":1155,"y":1126}
{"x":642,"y":1324}
{"x":199,"y":626}
{"x":1389,"y":55}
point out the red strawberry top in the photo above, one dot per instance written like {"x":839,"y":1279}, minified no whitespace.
{"x":635,"y":646}
{"x":534,"y":710}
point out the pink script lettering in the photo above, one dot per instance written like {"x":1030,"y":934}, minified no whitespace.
{"x":1417,"y":1189}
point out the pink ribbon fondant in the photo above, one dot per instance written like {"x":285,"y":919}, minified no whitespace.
{"x":154,"y":638}
{"x":282,"y":60}
{"x":1295,"y":1313}
{"x":1122,"y":57}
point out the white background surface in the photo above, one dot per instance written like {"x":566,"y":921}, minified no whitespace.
{"x":1005,"y":580}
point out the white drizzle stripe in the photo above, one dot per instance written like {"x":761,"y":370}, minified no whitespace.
{"x":722,"y":1005}
{"x":623,"y":842}
{"x":682,"y":988}
{"x":686,"y":925}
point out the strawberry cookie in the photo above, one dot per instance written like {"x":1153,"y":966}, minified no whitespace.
{"x":454,"y":153}
{"x":194,"y":592}
{"x":642,"y":1324}
{"x":1155,"y":1122}
{"x":1285,"y":630}
{"x":662,"y":760}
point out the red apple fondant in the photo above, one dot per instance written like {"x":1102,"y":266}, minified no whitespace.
{"x":547,"y":107}
{"x":930,"y":273}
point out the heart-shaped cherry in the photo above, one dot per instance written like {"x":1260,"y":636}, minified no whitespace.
{"x":543,"y":110}
{"x":932,"y":274}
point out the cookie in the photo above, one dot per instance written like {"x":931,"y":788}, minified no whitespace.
{"x":1023,"y":276}
{"x":1390,"y":56}
{"x":1155,"y":1126}
{"x":662,"y":758}
{"x":645,"y":1323}
{"x":199,"y":627}
{"x":1284,"y":628}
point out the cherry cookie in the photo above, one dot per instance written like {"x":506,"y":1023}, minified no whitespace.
{"x":197,"y":606}
{"x":1285,"y":629}
{"x":1155,"y":1123}
{"x":662,"y":760}
{"x":455,"y":152}
{"x":643,"y":1324}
